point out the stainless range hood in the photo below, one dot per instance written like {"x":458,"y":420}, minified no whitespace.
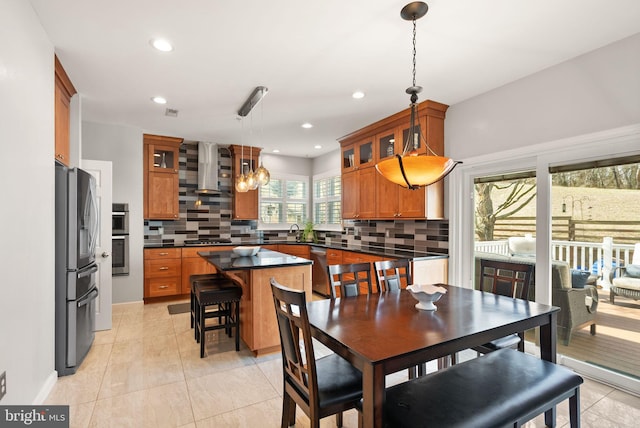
{"x":207,"y":168}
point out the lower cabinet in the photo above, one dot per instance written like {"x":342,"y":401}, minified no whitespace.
{"x":298,"y":250}
{"x":193,"y":264}
{"x":162,"y":272}
{"x":350,"y":257}
{"x":167,"y":270}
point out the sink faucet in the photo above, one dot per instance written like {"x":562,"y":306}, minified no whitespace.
{"x":297,"y":233}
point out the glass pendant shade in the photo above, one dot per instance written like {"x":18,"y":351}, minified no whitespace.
{"x":413,"y":170}
{"x":263,"y":175}
{"x":241,"y":184}
{"x":252,"y":181}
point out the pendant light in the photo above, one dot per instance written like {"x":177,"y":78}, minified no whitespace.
{"x":262,"y":174}
{"x":241,"y":180}
{"x":253,"y":179}
{"x":413,"y":170}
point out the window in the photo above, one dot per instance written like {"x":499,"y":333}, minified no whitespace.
{"x":327,"y":189}
{"x":284,"y":201}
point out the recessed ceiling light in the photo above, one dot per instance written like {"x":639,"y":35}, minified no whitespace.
{"x":357,"y":95}
{"x":307,"y":125}
{"x":276,"y":151}
{"x":159,"y":100}
{"x":162,"y":45}
{"x":317,"y":146}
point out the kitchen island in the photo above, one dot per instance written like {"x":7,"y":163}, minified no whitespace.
{"x":258,"y":325}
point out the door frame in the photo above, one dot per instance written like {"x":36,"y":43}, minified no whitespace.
{"x":618,"y":142}
{"x":102,"y":171}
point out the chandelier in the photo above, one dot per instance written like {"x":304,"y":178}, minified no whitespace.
{"x":413,"y":170}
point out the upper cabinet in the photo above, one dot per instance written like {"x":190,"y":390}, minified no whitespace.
{"x":64,"y":90}
{"x":245,"y":204}
{"x":161,"y":178}
{"x":370,"y":195}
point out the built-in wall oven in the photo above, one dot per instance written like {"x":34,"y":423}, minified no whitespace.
{"x":120,"y":239}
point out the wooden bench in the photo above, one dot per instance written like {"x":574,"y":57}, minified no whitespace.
{"x":503,"y":388}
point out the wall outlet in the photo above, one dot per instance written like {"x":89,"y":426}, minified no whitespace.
{"x":3,"y":384}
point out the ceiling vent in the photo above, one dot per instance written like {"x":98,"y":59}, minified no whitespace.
{"x":171,"y":112}
{"x":207,"y":168}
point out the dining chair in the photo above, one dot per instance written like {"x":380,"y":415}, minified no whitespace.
{"x":506,"y":279}
{"x":323,"y":387}
{"x":350,"y":279}
{"x":392,"y":275}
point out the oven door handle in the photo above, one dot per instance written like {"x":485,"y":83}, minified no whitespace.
{"x":88,"y":298}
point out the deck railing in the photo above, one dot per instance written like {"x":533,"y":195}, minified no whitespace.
{"x":590,"y":256}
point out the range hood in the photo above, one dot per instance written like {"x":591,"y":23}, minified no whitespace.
{"x":207,"y":168}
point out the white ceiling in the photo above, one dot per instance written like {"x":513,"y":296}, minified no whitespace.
{"x":311,"y":55}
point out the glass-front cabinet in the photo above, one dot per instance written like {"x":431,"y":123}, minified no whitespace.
{"x":358,"y":155}
{"x":163,"y":158}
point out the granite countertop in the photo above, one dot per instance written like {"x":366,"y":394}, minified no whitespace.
{"x":265,"y":259}
{"x":383,"y":252}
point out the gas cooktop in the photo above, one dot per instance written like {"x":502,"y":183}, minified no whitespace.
{"x":203,"y":242}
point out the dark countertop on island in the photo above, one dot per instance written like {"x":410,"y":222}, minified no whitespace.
{"x":265,"y":259}
{"x":382,"y":252}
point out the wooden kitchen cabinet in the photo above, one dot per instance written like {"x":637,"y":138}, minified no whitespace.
{"x":350,"y":257}
{"x":298,"y":250}
{"x":162,"y":272}
{"x":244,"y":204}
{"x":63,"y":92}
{"x":358,"y":194}
{"x":370,"y":196}
{"x":193,"y":264}
{"x":161,"y":178}
{"x":334,"y":257}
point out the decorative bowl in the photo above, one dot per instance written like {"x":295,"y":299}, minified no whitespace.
{"x":426,"y":295}
{"x":246,"y":251}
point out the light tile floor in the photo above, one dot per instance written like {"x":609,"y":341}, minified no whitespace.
{"x":147,"y":372}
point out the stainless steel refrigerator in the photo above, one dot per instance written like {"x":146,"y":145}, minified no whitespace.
{"x":76,"y":233}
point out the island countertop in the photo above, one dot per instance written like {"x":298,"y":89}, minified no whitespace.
{"x":265,"y":259}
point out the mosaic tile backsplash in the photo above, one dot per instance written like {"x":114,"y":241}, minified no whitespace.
{"x":212,"y":219}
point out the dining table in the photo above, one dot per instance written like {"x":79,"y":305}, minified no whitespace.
{"x":383,"y":333}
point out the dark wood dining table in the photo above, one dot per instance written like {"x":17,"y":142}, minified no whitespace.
{"x":384,"y":333}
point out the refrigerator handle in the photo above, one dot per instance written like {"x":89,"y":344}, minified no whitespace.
{"x":88,"y":272}
{"x":88,"y":298}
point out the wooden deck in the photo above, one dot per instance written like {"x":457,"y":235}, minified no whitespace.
{"x":616,"y":345}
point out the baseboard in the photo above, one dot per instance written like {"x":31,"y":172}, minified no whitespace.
{"x":46,"y":388}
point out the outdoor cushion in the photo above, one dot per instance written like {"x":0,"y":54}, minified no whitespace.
{"x":579,"y":278}
{"x":523,"y":246}
{"x":627,"y":282}
{"x":633,"y":271}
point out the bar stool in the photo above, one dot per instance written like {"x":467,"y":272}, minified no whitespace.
{"x":225,"y":295}
{"x":192,"y":280}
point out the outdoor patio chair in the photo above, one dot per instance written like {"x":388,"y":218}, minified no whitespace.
{"x":627,"y":282}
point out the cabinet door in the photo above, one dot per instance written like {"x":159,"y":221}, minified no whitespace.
{"x":388,"y":145}
{"x":163,"y":158}
{"x":365,"y":157}
{"x":193,"y":266}
{"x":62,"y":116}
{"x":163,"y":196}
{"x":295,"y":250}
{"x":387,"y":193}
{"x":245,"y":204}
{"x":411,"y":203}
{"x":350,"y":195}
{"x":349,"y":158}
{"x":367,"y":193}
